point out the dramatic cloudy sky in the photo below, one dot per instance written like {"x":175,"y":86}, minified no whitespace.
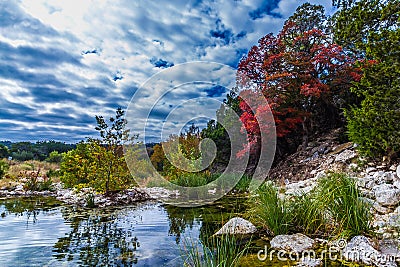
{"x":62,"y":62}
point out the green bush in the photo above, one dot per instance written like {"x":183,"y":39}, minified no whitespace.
{"x":3,"y":168}
{"x":22,"y":156}
{"x":54,"y":157}
{"x":93,"y":165}
{"x":374,"y":125}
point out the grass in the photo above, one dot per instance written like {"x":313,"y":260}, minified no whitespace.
{"x":193,"y":179}
{"x":333,"y":208}
{"x":308,"y":214}
{"x":271,"y":211}
{"x":345,"y":205}
{"x":216,"y":251}
{"x":200,"y":179}
{"x":30,"y":171}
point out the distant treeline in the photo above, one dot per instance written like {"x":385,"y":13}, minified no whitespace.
{"x":27,"y":151}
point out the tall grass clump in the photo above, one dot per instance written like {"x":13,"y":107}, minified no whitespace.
{"x":351,"y":214}
{"x":272,"y":211}
{"x":333,"y":208}
{"x":216,"y":251}
{"x":309,"y":214}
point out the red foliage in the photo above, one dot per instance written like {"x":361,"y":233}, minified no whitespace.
{"x":295,"y":71}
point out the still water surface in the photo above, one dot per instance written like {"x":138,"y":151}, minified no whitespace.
{"x":43,"y":232}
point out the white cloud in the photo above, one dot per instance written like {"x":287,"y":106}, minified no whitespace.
{"x":98,"y":39}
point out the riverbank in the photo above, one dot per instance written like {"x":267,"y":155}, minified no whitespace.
{"x":87,"y":197}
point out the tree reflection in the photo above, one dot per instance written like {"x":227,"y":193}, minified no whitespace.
{"x":106,"y":237}
{"x":211,"y":217}
{"x":99,"y":238}
{"x":27,"y":206}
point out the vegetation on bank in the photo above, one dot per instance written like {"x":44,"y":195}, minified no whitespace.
{"x":333,"y":208}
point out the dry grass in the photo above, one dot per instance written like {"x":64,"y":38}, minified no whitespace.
{"x":19,"y":170}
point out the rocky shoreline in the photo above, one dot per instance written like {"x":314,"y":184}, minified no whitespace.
{"x":88,"y":197}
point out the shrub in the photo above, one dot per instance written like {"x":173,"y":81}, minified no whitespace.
{"x":34,"y":182}
{"x":374,"y":125}
{"x":22,"y":156}
{"x":96,"y":166}
{"x":3,"y":168}
{"x":54,"y":157}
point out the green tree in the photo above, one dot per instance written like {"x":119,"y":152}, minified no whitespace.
{"x":370,"y":30}
{"x":227,"y":115}
{"x":100,"y":163}
{"x":4,"y":151}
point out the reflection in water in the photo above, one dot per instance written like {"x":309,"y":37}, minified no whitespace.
{"x":41,"y":231}
{"x":99,"y":238}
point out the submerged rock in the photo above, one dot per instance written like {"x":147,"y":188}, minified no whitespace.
{"x":296,"y":243}
{"x":360,"y":250}
{"x":237,"y":225}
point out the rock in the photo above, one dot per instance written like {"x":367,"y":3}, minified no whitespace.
{"x":19,"y":188}
{"x":309,"y":262}
{"x":367,"y":182}
{"x":320,"y":149}
{"x":314,"y":156}
{"x":320,"y":175}
{"x":380,"y":209}
{"x":296,"y":243}
{"x":345,"y":156}
{"x":299,"y":191}
{"x":390,"y":247}
{"x":237,"y":225}
{"x":398,"y":171}
{"x":370,"y":169}
{"x":381,"y":177}
{"x":360,"y":250}
{"x":396,"y":184}
{"x":340,"y":148}
{"x":387,"y":195}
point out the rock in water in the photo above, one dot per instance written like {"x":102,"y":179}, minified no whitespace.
{"x":296,"y":243}
{"x":237,"y":225}
{"x":360,"y":250}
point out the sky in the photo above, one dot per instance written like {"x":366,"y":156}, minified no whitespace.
{"x":63,"y":62}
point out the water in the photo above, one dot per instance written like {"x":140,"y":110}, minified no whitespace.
{"x":43,"y":232}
